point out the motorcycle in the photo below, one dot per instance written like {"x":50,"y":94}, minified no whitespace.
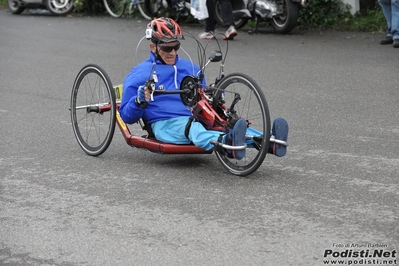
{"x":176,"y":9}
{"x":56,"y":7}
{"x":283,"y":14}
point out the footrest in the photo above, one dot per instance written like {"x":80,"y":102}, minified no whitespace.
{"x":228,"y":147}
{"x":277,"y":141}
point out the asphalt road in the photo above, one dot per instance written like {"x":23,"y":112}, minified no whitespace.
{"x":336,"y":190}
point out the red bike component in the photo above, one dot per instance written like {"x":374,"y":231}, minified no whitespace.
{"x":151,"y":144}
{"x":207,"y":115}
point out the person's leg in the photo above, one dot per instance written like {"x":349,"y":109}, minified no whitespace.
{"x":235,"y":137}
{"x":201,"y":137}
{"x":171,"y":130}
{"x":227,"y":13}
{"x":386,"y":9}
{"x":209,"y":28}
{"x":395,"y":20}
{"x":228,"y":19}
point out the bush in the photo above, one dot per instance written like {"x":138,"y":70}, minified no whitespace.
{"x":92,"y":7}
{"x":323,"y":14}
{"x":333,"y":14}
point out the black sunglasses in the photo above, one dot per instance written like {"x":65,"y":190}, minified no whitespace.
{"x":168,"y":49}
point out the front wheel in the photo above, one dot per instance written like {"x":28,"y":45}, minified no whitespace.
{"x":60,"y":7}
{"x":288,"y":18}
{"x":93,"y":110}
{"x":252,"y":107}
{"x":15,"y":6}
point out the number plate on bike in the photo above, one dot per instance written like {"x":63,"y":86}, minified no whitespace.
{"x":118,"y":92}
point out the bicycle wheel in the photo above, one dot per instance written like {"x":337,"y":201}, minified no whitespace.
{"x":115,"y":8}
{"x":93,"y":110}
{"x":141,"y":7}
{"x":157,"y":8}
{"x":253,"y":107}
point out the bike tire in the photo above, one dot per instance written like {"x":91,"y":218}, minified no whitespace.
{"x":286,"y":22}
{"x":93,"y":110}
{"x":142,"y":10}
{"x":15,"y":7}
{"x":254,"y":108}
{"x":60,"y":7}
{"x":116,"y":8}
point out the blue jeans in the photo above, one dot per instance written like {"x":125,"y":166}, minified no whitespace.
{"x":173,"y":131}
{"x":390,"y":8}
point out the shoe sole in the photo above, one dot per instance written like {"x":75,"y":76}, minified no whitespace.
{"x":280,"y":131}
{"x":239,"y":139}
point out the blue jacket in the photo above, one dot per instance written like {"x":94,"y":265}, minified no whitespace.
{"x":164,"y":106}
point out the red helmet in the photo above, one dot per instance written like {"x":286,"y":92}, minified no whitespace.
{"x":163,"y":30}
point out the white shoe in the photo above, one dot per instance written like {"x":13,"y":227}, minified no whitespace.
{"x":207,"y":35}
{"x":230,"y":33}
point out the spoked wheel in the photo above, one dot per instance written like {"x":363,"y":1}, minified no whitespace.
{"x":253,"y":107}
{"x":60,"y":7}
{"x":115,"y":8}
{"x":93,"y":110}
{"x":141,"y":7}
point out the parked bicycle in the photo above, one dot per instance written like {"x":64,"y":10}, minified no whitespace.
{"x":117,"y":8}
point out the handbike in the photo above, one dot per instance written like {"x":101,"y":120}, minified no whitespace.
{"x":95,"y":103}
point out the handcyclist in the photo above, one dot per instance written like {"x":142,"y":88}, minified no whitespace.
{"x":167,"y":116}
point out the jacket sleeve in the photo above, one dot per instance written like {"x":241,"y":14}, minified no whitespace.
{"x":130,"y":112}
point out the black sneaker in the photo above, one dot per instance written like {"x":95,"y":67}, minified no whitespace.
{"x":387,"y":40}
{"x":396,"y":43}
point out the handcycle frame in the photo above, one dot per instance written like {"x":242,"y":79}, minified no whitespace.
{"x":208,"y":104}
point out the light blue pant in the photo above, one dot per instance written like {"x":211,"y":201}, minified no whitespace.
{"x":390,"y":8}
{"x":172,"y":131}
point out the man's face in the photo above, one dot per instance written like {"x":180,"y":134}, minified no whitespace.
{"x":167,"y":51}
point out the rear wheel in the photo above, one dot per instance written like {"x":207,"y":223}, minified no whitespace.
{"x":252,"y":107}
{"x":287,"y":20}
{"x":116,"y":8}
{"x":59,"y":7}
{"x":15,"y":6}
{"x":93,"y":110}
